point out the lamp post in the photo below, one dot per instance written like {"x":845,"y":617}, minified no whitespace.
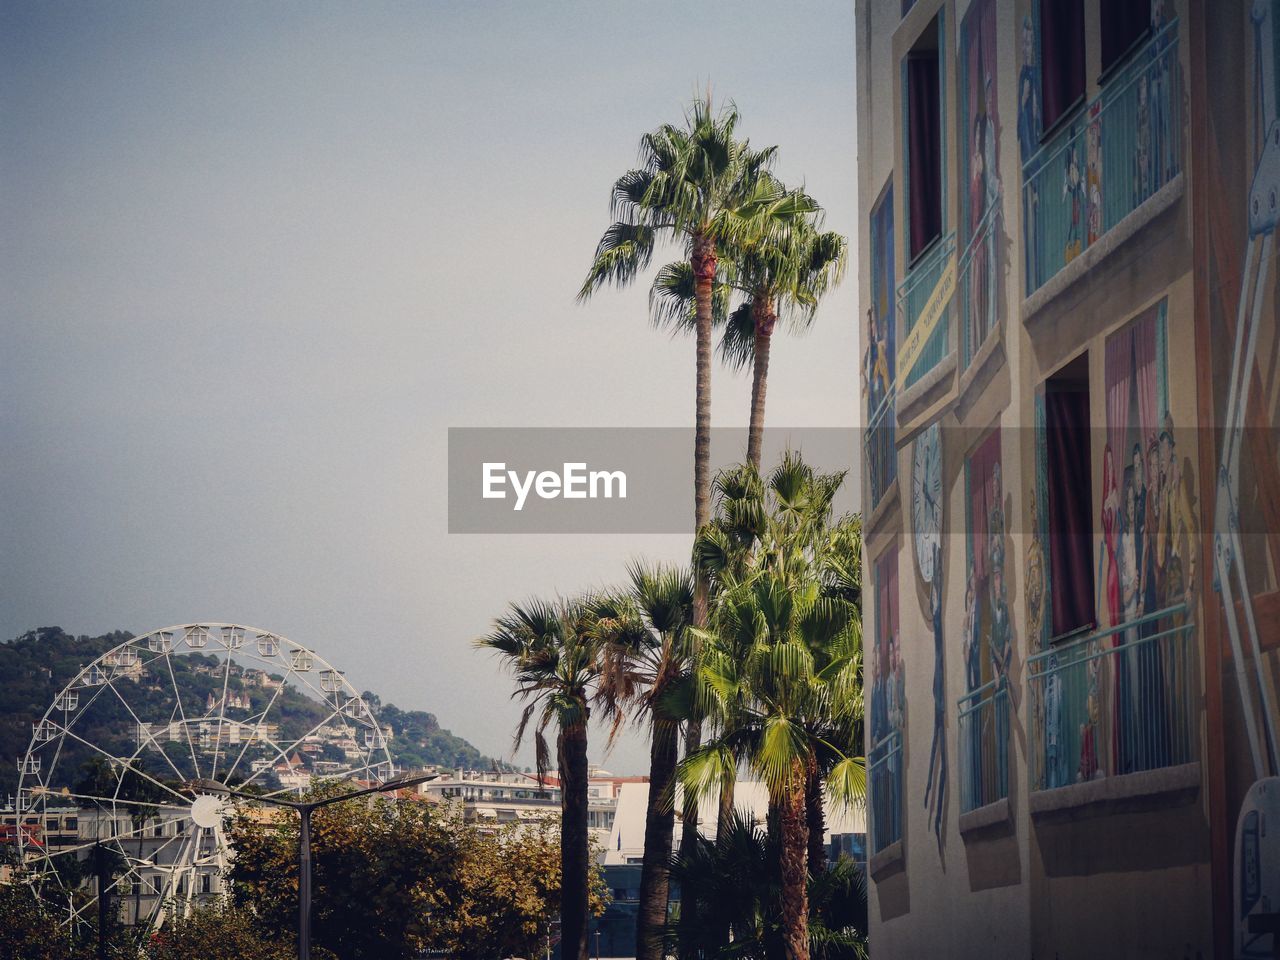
{"x":304,"y":809}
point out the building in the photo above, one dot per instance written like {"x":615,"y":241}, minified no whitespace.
{"x":1071,"y":493}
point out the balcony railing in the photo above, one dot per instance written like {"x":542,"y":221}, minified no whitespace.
{"x":984,"y":745}
{"x":884,"y":769}
{"x":1117,"y":701}
{"x":979,"y":280}
{"x":881,"y":449}
{"x":1121,"y":148}
{"x":913,"y":294}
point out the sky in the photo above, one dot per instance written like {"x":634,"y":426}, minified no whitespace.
{"x":255,"y":261}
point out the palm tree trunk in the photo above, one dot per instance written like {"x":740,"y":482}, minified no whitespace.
{"x":726,"y":807}
{"x":815,"y":817}
{"x":795,"y":872}
{"x":659,"y":827}
{"x":703,"y":261}
{"x":575,"y":854}
{"x":763,"y":313}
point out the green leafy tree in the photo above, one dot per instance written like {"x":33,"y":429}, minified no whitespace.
{"x":780,"y":672}
{"x":736,"y":882}
{"x":553,"y":652}
{"x":222,"y":932}
{"x":379,"y":868}
{"x":646,"y":656}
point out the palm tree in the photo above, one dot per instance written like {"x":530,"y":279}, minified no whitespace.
{"x":780,"y":275}
{"x":780,"y":673}
{"x":701,"y":186}
{"x":645,"y":659}
{"x":552,"y":650}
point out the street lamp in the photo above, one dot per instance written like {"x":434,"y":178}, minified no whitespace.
{"x":304,"y":809}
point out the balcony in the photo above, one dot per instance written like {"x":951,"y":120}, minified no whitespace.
{"x":884,"y":770}
{"x":984,"y":746}
{"x":881,"y":451}
{"x":1119,"y":701}
{"x":913,"y":294}
{"x":1119,"y":151}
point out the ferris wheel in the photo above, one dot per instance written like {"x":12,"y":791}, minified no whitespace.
{"x":114,"y":789}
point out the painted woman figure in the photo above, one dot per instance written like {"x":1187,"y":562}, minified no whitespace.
{"x":977,"y":209}
{"x":936,"y":785}
{"x":972,"y":649}
{"x":1073,"y":191}
{"x":1111,"y":518}
{"x":1001,"y":656}
{"x":1029,"y":132}
{"x":1127,"y":559}
{"x":1155,"y":719}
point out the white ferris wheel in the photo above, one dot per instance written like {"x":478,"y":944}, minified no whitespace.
{"x":108,"y":774}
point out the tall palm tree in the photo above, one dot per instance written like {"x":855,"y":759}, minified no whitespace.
{"x":645,"y":658}
{"x":701,"y":186}
{"x":780,"y":674}
{"x":553,"y":651}
{"x":780,"y":275}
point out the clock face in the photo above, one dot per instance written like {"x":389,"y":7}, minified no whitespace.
{"x":926,"y":498}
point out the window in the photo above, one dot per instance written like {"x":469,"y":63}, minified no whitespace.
{"x":924,"y":141}
{"x":1069,"y":473}
{"x":1061,"y":58}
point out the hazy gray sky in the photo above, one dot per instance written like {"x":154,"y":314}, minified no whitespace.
{"x":257,"y":259}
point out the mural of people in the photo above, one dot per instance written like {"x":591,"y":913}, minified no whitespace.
{"x":1001,"y":656}
{"x":1142,"y":143}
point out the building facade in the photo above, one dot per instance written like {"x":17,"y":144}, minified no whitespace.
{"x":1071,"y":492}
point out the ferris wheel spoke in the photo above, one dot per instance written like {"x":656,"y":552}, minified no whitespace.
{"x":145,"y":730}
{"x":142,"y":773}
{"x":284,"y":751}
{"x":182,"y":715}
{"x":222,"y":718}
{"x":257,"y":720}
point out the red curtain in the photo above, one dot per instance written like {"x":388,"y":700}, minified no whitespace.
{"x":1061,"y":57}
{"x":924,"y":145}
{"x":1070,"y":526}
{"x":1124,"y":22}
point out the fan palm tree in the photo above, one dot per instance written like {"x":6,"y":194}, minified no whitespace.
{"x":701,"y":186}
{"x":553,"y":651}
{"x":780,"y":275}
{"x":645,"y":658}
{"x":779,"y":673}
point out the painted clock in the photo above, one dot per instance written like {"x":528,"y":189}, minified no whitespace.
{"x":926,"y":498}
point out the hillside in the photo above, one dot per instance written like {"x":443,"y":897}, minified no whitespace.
{"x":37,"y":665}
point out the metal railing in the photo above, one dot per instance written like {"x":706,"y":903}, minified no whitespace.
{"x":1118,"y":151}
{"x":978,"y":283}
{"x":884,"y":769}
{"x":913,"y":294}
{"x":881,"y":449}
{"x":984,"y":745}
{"x":1121,"y":700}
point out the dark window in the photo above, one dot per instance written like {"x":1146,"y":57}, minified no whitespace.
{"x":1124,"y":24}
{"x":1066,"y":406}
{"x":924,"y":142}
{"x":1061,"y":57}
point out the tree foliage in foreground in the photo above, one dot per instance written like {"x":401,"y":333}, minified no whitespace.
{"x":394,"y":878}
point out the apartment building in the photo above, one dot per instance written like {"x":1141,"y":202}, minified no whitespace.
{"x":1071,"y":492}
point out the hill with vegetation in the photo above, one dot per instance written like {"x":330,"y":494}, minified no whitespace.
{"x":36,"y":666}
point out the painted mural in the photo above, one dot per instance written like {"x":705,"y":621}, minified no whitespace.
{"x":986,"y":644}
{"x":983,"y":232}
{"x":878,"y":357}
{"x":888,"y":708}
